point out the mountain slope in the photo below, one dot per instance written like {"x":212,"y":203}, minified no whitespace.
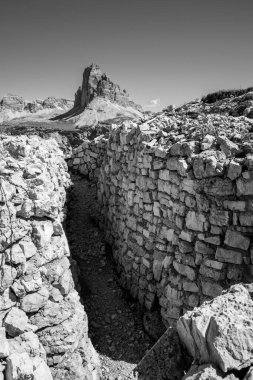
{"x":100,"y":100}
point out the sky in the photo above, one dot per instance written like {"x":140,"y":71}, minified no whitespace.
{"x":161,"y":51}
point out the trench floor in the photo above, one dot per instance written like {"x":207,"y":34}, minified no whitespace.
{"x":115,"y":320}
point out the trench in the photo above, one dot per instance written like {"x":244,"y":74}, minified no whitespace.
{"x":115,"y":319}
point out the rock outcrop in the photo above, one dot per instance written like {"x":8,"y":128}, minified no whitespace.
{"x":220,"y":332}
{"x":43,"y":326}
{"x":218,"y":336}
{"x":15,"y":107}
{"x":99,"y":100}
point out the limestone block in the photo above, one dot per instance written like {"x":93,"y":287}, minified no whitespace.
{"x":207,"y":142}
{"x":186,"y":235}
{"x":220,"y":331}
{"x":42,"y":233}
{"x":7,"y":299}
{"x":19,"y":366}
{"x":41,"y":370}
{"x":177,"y":164}
{"x":219,"y":217}
{"x":228,"y":256}
{"x":28,"y":248}
{"x":244,"y":187}
{"x":7,"y":277}
{"x":195,"y":221}
{"x":234,"y":170}
{"x":212,"y":273}
{"x":210,"y":288}
{"x":190,"y":286}
{"x":235,"y":205}
{"x":219,"y":187}
{"x":4,"y":345}
{"x":203,"y":372}
{"x":34,"y":301}
{"x":227,"y":146}
{"x":16,"y":322}
{"x":15,"y":255}
{"x":236,"y":240}
{"x":203,"y":248}
{"x":246,"y":219}
{"x":185,"y":270}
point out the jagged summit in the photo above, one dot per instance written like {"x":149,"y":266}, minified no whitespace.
{"x":100,"y":99}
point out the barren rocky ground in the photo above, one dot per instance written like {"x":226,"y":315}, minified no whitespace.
{"x":115,"y":320}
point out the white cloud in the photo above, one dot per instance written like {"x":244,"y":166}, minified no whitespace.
{"x":153,"y":103}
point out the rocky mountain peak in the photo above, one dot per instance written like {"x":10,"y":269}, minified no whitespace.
{"x":101,"y":94}
{"x":96,"y":83}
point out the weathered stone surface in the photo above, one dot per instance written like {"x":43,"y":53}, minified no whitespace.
{"x":4,"y":346}
{"x":19,"y":366}
{"x":203,"y":372}
{"x":35,"y":301}
{"x":7,"y":299}
{"x":236,"y":240}
{"x":16,"y":322}
{"x":42,"y":371}
{"x":195,"y":221}
{"x":27,"y":342}
{"x":228,"y":256}
{"x":34,"y":263}
{"x":7,"y":277}
{"x":220,"y":331}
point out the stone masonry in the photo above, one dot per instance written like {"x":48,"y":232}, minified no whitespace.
{"x":43,"y":326}
{"x":175,"y":196}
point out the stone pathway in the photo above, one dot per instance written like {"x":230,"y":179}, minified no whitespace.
{"x":115,"y":320}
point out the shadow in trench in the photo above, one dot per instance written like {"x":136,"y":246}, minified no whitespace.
{"x":115,"y":320}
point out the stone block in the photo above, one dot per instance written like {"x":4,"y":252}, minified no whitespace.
{"x":190,"y":286}
{"x":228,"y":256}
{"x":203,"y":248}
{"x":236,"y":240}
{"x":19,"y":366}
{"x":4,"y":345}
{"x":246,"y":219}
{"x":211,"y":289}
{"x":187,"y":236}
{"x":235,"y":205}
{"x":195,"y":221}
{"x":16,"y":322}
{"x":219,"y":187}
{"x":34,"y":301}
{"x":234,"y":170}
{"x":244,"y":187}
{"x":185,"y":270}
{"x":219,"y":217}
{"x":220,"y":332}
{"x":212,"y":273}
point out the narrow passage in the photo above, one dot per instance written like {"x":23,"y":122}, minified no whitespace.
{"x":115,"y":320}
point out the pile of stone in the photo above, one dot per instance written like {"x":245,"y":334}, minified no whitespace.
{"x":175,"y":194}
{"x":43,"y":326}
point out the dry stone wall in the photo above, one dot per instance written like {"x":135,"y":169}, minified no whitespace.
{"x":43,"y":326}
{"x":175,"y":198}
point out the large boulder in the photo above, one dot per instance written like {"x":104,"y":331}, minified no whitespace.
{"x":220,"y":331}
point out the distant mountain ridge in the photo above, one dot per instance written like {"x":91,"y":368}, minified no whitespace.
{"x":16,"y":107}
